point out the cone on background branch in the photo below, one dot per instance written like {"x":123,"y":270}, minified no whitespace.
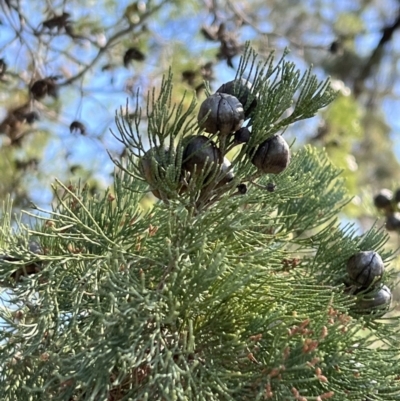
{"x":388,"y":203}
{"x":193,"y":299}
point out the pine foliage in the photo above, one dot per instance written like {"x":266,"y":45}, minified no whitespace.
{"x":213,"y":294}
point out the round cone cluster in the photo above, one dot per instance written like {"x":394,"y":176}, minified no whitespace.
{"x":389,"y":204}
{"x":365,"y":271}
{"x":224,"y":113}
{"x":203,"y":159}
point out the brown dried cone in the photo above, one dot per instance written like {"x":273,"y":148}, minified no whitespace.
{"x":365,"y":267}
{"x":199,"y":154}
{"x":241,"y":89}
{"x":77,"y":126}
{"x":393,"y":222}
{"x":146,"y":168}
{"x":272,"y":156}
{"x":383,"y":200}
{"x":225,"y":114}
{"x":44,"y":87}
{"x":377,"y":302}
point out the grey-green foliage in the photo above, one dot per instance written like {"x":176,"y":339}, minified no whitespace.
{"x":241,"y":298}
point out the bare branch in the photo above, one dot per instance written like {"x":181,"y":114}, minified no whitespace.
{"x":376,"y":55}
{"x":111,"y":41}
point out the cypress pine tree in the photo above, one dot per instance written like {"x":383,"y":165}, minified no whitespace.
{"x":239,"y":284}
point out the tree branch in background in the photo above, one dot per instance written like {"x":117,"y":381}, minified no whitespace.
{"x":111,"y":41}
{"x":376,"y":56}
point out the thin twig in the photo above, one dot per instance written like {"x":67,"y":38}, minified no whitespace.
{"x":110,"y":42}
